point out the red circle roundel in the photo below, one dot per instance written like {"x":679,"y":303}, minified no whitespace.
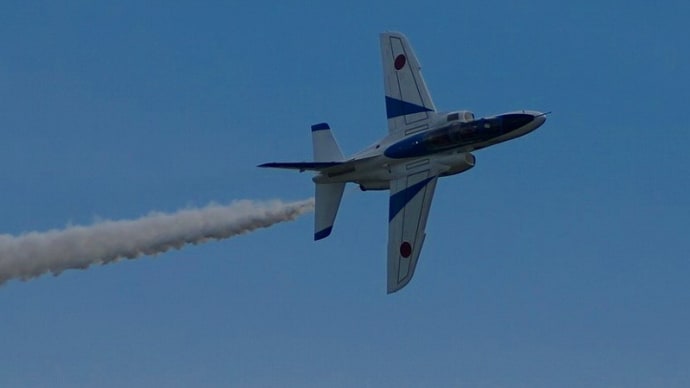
{"x":400,"y":61}
{"x":405,"y":249}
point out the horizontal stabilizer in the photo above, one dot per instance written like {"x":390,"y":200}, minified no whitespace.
{"x":302,"y":166}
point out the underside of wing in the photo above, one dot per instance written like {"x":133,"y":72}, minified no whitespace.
{"x":409,"y":205}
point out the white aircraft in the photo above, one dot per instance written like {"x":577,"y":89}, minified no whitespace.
{"x":422,"y":145}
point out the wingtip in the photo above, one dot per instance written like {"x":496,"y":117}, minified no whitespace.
{"x":391,"y":33}
{"x":393,"y":288}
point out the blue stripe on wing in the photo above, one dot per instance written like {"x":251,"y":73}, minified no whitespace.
{"x":396,"y":108}
{"x":400,"y":199}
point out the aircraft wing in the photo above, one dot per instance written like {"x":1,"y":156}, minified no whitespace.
{"x":408,"y":102}
{"x":410,"y":200}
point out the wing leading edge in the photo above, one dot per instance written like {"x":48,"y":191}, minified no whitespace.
{"x":410,"y":200}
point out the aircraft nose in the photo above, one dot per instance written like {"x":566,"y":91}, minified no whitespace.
{"x":524,"y":120}
{"x":539,"y":118}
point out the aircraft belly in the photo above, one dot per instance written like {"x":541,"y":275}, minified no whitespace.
{"x":372,"y":169}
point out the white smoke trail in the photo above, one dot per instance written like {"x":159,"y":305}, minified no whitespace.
{"x":33,"y":254}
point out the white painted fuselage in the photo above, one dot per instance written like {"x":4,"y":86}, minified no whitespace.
{"x":448,"y":146}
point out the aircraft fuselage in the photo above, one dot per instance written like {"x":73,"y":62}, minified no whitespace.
{"x":448,"y":144}
{"x":470,"y":136}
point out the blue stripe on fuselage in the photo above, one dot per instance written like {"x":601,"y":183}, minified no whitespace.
{"x":400,"y":199}
{"x":456,"y":135}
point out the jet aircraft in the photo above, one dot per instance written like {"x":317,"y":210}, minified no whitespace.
{"x":422,"y":145}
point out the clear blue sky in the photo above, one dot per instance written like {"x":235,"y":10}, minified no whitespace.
{"x":562,"y":259}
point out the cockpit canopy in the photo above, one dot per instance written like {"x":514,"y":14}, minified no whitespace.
{"x":463,"y":116}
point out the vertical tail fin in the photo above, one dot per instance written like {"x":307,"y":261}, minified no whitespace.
{"x":328,"y":195}
{"x":325,"y":147}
